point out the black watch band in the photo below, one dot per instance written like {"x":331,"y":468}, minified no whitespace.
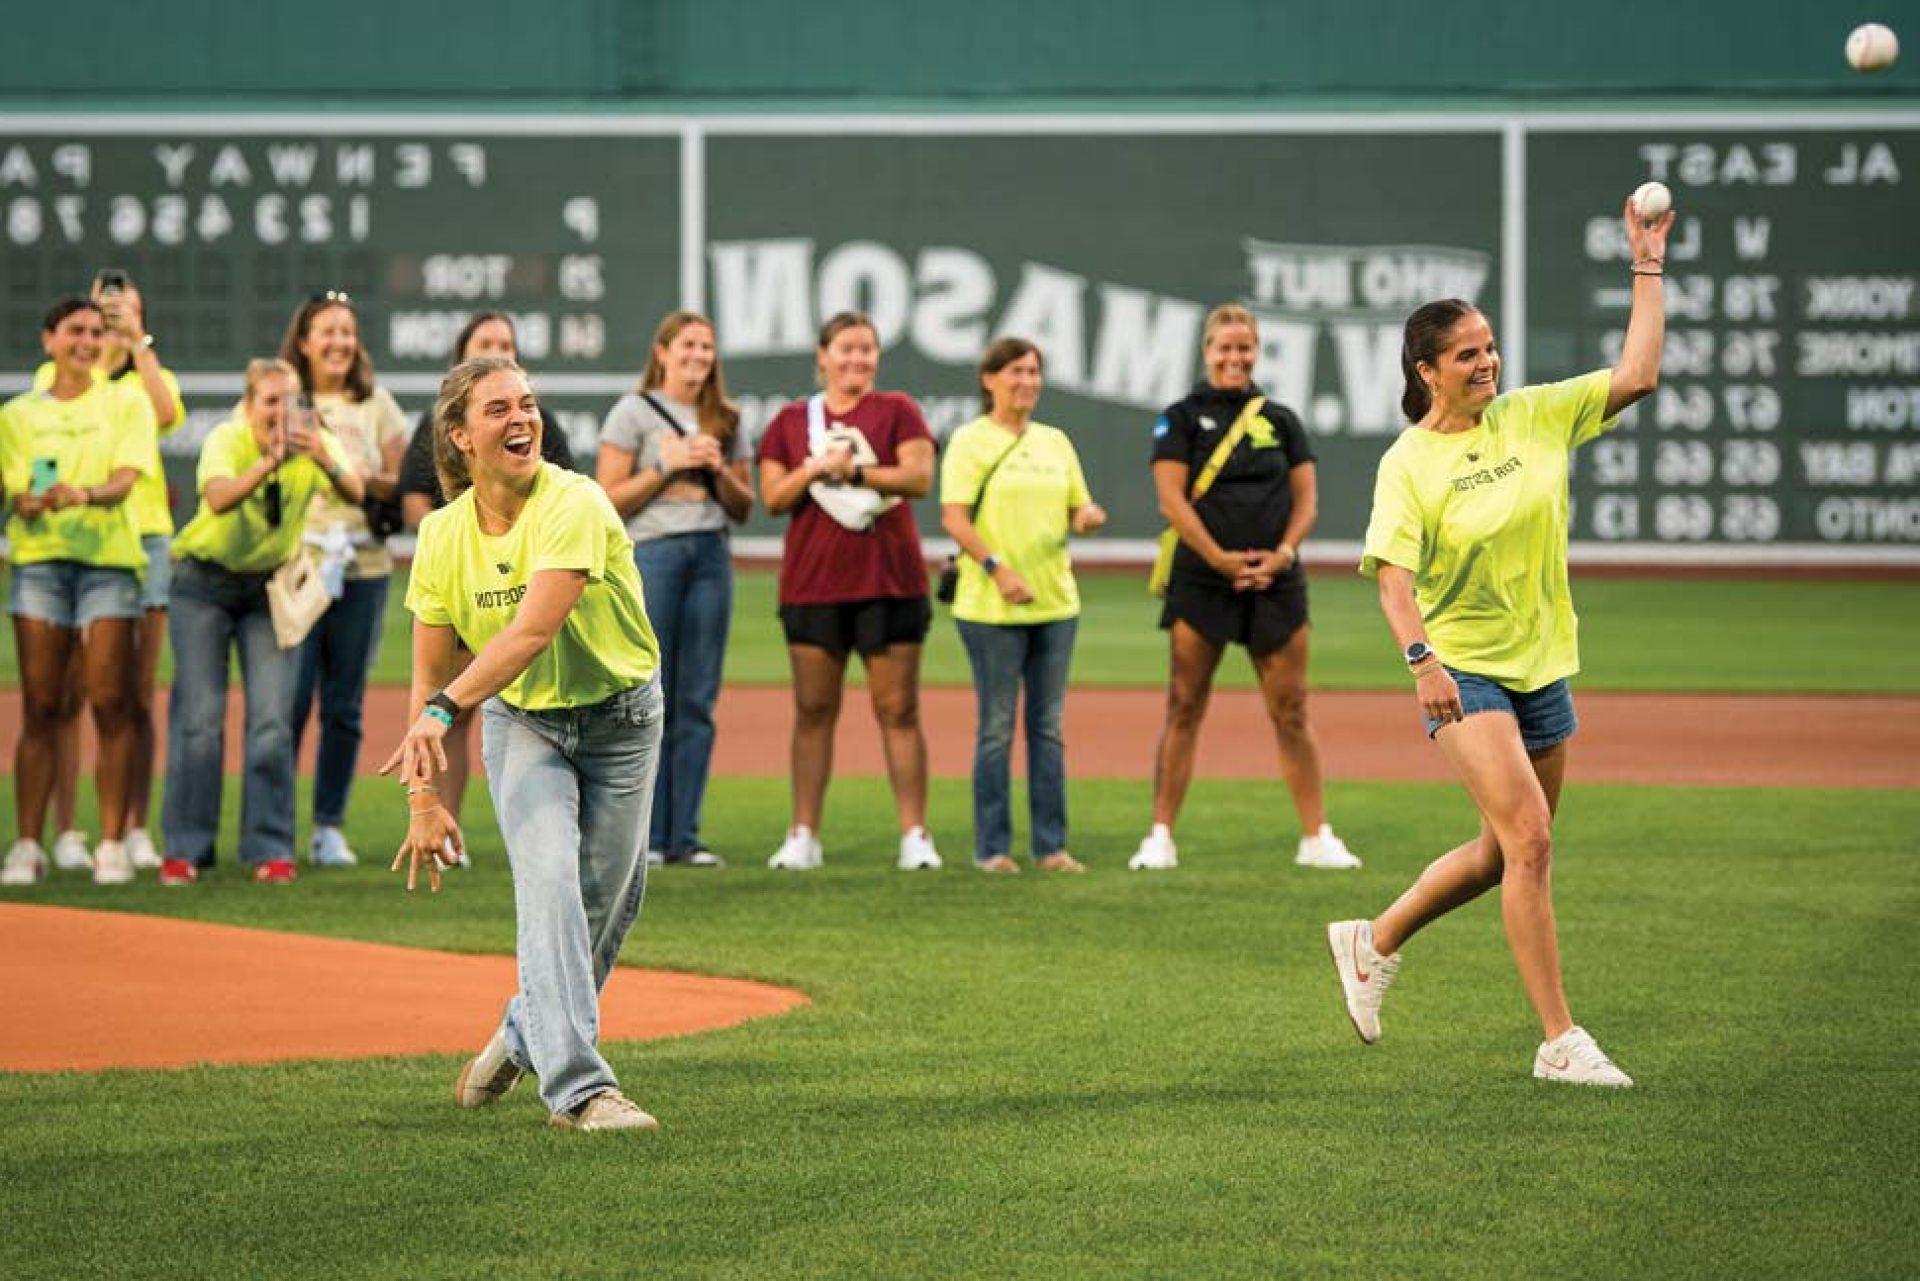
{"x":444,"y":703}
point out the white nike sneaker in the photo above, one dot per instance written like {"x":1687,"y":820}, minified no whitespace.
{"x":1325,"y":850}
{"x":1156,"y":852}
{"x":141,"y":851}
{"x":70,"y":852}
{"x":1365,"y":975}
{"x":111,"y":864}
{"x":1573,"y":1057}
{"x":329,"y":848}
{"x":26,"y":864}
{"x":917,"y":853}
{"x":800,"y":852}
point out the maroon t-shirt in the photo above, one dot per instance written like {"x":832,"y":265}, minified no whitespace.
{"x":825,"y":563}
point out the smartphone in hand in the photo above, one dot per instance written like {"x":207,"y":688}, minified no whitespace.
{"x":46,"y":474}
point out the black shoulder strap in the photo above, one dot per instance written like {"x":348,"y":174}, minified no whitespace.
{"x":666,"y":417}
{"x":980,"y":495}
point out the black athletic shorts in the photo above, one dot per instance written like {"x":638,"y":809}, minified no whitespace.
{"x":865,"y":625}
{"x":1262,"y":621}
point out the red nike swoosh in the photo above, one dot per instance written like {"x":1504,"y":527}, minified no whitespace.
{"x":1358,"y":972}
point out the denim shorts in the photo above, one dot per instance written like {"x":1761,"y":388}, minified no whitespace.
{"x":70,"y":593}
{"x":158,"y":584}
{"x":1546,"y":715}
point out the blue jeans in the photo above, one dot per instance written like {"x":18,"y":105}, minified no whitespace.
{"x":211,"y":611}
{"x":572,"y":790}
{"x":1004,"y":657}
{"x":688,"y":579}
{"x":335,"y":657}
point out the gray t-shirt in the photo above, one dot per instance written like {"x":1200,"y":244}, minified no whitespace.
{"x":633,"y":424}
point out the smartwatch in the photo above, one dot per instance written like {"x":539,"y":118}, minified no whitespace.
{"x":991,"y":563}
{"x":1418,"y":653}
{"x":859,"y":473}
{"x":444,"y":703}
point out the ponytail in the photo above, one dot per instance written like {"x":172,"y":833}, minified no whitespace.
{"x":1422,"y":341}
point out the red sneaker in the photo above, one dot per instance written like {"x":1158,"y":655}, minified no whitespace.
{"x":276,"y":871}
{"x":177,"y":871}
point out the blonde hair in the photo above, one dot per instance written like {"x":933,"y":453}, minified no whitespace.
{"x":450,"y":411}
{"x":1230,"y":313}
{"x":261,"y":368}
{"x":719,"y":417}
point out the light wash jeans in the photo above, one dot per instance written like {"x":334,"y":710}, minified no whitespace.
{"x":688,"y":580}
{"x":211,"y":612}
{"x":1004,"y":658}
{"x":573,"y":790}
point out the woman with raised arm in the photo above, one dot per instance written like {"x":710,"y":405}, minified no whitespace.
{"x":258,"y":474}
{"x":529,"y":567}
{"x":1468,"y":540}
{"x":852,"y":576}
{"x":323,"y":345}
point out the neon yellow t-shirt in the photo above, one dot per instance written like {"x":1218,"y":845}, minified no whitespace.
{"x":242,"y":538}
{"x":1030,"y":500}
{"x":148,"y":501}
{"x":473,"y":582}
{"x":88,"y":438}
{"x":1480,"y":518}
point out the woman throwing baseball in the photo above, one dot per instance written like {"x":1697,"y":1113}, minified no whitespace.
{"x":528,"y":566}
{"x":1468,"y":540}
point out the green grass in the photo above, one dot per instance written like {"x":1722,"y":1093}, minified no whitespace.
{"x":1718,"y":635}
{"x":1115,"y":1075}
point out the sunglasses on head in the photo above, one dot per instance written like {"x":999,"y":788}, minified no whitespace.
{"x":340,"y":296}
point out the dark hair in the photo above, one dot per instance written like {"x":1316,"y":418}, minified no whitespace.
{"x":66,"y":307}
{"x":360,"y":377}
{"x":1425,"y":335}
{"x":474,"y":322}
{"x":719,"y":417}
{"x":998,"y":356}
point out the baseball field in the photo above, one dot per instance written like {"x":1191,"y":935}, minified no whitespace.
{"x":1121,"y":1074}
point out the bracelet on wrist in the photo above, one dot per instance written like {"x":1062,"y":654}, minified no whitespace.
{"x":440,"y":714}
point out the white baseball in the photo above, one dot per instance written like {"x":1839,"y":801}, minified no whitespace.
{"x":1872,"y":47}
{"x":1651,"y":199}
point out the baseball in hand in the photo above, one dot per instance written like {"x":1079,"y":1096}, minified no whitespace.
{"x":1872,"y":47}
{"x":1651,"y":199}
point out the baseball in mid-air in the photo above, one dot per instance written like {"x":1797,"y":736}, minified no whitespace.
{"x":1872,"y":47}
{"x":1651,"y":199}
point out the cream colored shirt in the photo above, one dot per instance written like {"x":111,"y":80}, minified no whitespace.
{"x":365,"y":429}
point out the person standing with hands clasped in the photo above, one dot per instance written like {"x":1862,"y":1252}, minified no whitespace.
{"x":1468,"y":540}
{"x":529,"y":567}
{"x":1234,"y":474}
{"x":852,"y":576}
{"x":1010,"y":491}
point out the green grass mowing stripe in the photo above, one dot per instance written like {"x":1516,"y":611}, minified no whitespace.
{"x":1118,"y":1074}
{"x":1708,"y":635}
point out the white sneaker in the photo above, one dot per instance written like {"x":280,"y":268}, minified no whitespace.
{"x":1365,"y":975}
{"x":1156,"y":852}
{"x":26,"y":864}
{"x":140,"y":849}
{"x":329,"y":848}
{"x":1325,"y":850}
{"x":608,"y":1110}
{"x":917,"y":853}
{"x":800,"y":852}
{"x":111,"y":864}
{"x":1573,"y":1057}
{"x":70,"y":852}
{"x":656,"y":859}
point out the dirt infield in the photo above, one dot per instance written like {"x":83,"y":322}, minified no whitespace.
{"x":153,"y":992}
{"x":1687,"y":739}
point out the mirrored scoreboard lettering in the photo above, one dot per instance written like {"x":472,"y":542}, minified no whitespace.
{"x":1789,"y":407}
